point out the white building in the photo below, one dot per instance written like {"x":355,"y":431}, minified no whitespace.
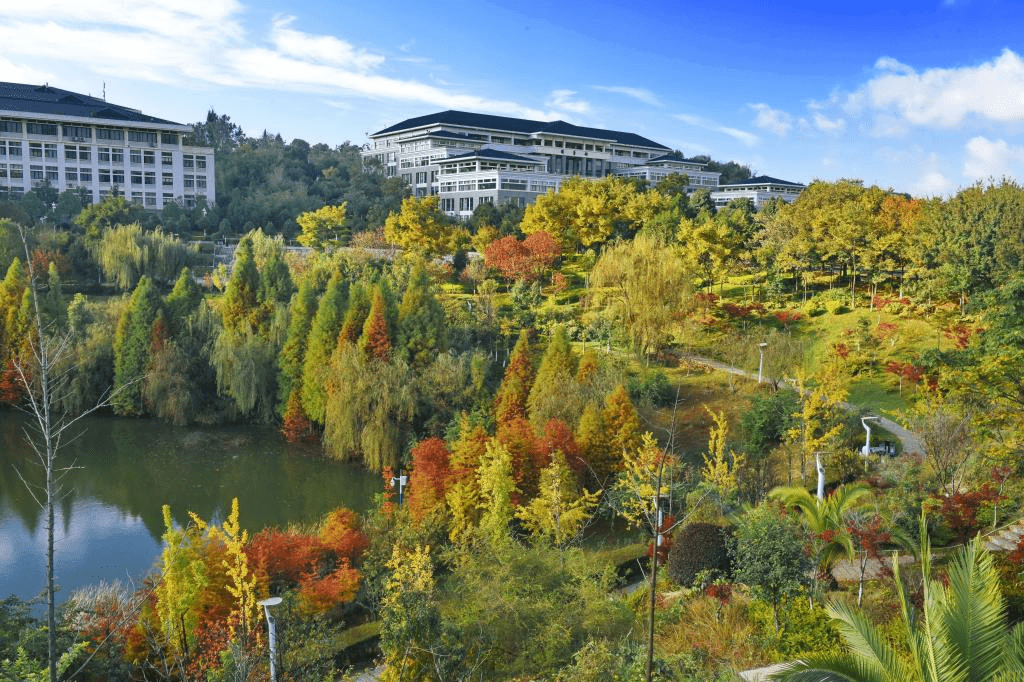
{"x":468,"y":159}
{"x":77,"y":141}
{"x":759,"y":190}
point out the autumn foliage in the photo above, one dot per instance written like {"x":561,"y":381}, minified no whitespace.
{"x":527,"y":259}
{"x":431,"y":474}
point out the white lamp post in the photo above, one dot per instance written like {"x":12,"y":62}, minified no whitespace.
{"x":271,"y":633}
{"x":867,"y":439}
{"x":401,"y":481}
{"x":760,"y":366}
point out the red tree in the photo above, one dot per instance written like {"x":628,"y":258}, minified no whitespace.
{"x":431,"y":475}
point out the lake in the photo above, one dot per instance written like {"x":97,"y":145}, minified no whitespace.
{"x":109,"y":524}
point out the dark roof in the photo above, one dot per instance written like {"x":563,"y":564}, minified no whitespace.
{"x":487,"y":153}
{"x":517,"y":125}
{"x":45,"y":99}
{"x":675,"y":157}
{"x":762,"y":180}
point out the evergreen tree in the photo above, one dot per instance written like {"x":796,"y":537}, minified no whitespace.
{"x":323,"y":337}
{"x":355,"y":316}
{"x":377,"y":331}
{"x":242,"y":309}
{"x":592,"y":441}
{"x":183,"y":301}
{"x":548,"y":396}
{"x":421,"y":321}
{"x":293,"y":354}
{"x":132,"y":342}
{"x":621,"y":423}
{"x":510,"y":401}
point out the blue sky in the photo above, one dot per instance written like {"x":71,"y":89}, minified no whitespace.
{"x":924,"y":97}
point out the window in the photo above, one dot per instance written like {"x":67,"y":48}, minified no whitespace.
{"x":188,"y":161}
{"x":149,"y":179}
{"x":35,"y":173}
{"x":190,"y":201}
{"x":514,"y":184}
{"x":150,"y":199}
{"x":169,"y":138}
{"x":71,"y":174}
{"x":447,"y":204}
{"x":136,"y":197}
{"x":109,"y":134}
{"x":84,"y":154}
{"x":37,"y":128}
{"x":14,"y":149}
{"x":50,"y":151}
{"x":465,"y":203}
{"x":104,"y":176}
{"x":168,"y":198}
{"x":3,"y":171}
{"x":190,"y":182}
{"x":116,"y":155}
{"x":77,"y":132}
{"x":166,"y":158}
{"x":200,"y":162}
{"x":52,"y":174}
{"x":9,"y":126}
{"x":489,"y":183}
{"x":467,"y":185}
{"x":17,"y":172}
{"x":117,"y":176}
{"x":70,"y":152}
{"x":149,"y":158}
{"x":200,"y":182}
{"x":168,"y":180}
{"x":136,"y":177}
{"x":135,"y":156}
{"x":407,"y":178}
{"x":103,"y":154}
{"x":85,"y":174}
{"x":142,"y":136}
{"x":486,"y":200}
{"x":35,"y":150}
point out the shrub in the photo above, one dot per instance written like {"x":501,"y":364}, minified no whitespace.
{"x":811,"y":307}
{"x":834,"y":307}
{"x":698,"y":547}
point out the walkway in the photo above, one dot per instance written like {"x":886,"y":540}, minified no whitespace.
{"x":911,"y":443}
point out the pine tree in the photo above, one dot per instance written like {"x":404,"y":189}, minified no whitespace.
{"x":293,"y":353}
{"x":375,"y":340}
{"x":555,"y":377}
{"x":621,"y":423}
{"x":594,"y":451}
{"x":132,"y":342}
{"x":355,"y":316}
{"x":242,"y":309}
{"x":497,"y":492}
{"x":421,"y":321}
{"x":323,"y":336}
{"x":510,"y":401}
{"x":560,"y":510}
{"x":183,"y":301}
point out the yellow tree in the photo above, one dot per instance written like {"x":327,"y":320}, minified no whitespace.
{"x":719,"y":475}
{"x":497,"y":488}
{"x":560,"y":510}
{"x":323,"y":227}
{"x":819,"y":418}
{"x":421,"y":227}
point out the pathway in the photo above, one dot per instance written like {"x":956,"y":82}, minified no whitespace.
{"x":910,"y":442}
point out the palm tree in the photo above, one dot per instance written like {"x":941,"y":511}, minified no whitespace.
{"x":826,"y":518}
{"x":960,"y":635}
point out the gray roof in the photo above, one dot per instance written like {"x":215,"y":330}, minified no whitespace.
{"x":496,"y":154}
{"x":517,"y":125}
{"x":45,"y":99}
{"x":676,"y":159}
{"x":763,"y":180}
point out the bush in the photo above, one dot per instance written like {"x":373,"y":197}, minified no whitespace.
{"x":653,"y":389}
{"x":698,"y":547}
{"x":812,"y":307}
{"x":834,"y":307}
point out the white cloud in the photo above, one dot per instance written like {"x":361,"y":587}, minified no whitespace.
{"x":943,"y":98}
{"x":13,"y":73}
{"x":773,"y":120}
{"x":193,"y":43}
{"x":991,"y":158}
{"x":640,"y":94}
{"x":826,"y":124}
{"x":743,"y":136}
{"x":564,"y":100}
{"x":932,"y":181}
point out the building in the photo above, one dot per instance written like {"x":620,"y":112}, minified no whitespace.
{"x":759,"y":190}
{"x":75,"y":141}
{"x":467,"y":159}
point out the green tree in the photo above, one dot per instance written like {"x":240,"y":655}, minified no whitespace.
{"x":293,"y":354}
{"x":242,"y":309}
{"x":320,"y":345}
{"x":420,"y":227}
{"x":112,"y":211}
{"x":557,"y":372}
{"x":323,"y":227}
{"x":561,"y":510}
{"x":132,"y":342}
{"x":421,"y":324}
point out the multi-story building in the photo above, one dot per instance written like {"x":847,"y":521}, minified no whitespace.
{"x":73,"y":141}
{"x":760,"y":190}
{"x":468,"y":159}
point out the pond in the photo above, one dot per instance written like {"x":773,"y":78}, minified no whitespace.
{"x":120,"y":472}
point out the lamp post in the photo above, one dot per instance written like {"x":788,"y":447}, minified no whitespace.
{"x":401,"y":481}
{"x":760,"y":366}
{"x":271,"y":633}
{"x":867,"y":439}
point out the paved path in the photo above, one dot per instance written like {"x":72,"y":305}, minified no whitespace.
{"x":910,"y":442}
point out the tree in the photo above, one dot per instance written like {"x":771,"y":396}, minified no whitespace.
{"x":293,"y":353}
{"x":557,"y":372}
{"x":647,"y":289}
{"x":769,"y":556}
{"x":560,"y":511}
{"x":421,"y":227}
{"x":431,"y":476}
{"x":960,"y":632}
{"x":321,"y":343}
{"x":132,"y":343}
{"x":323,"y":227}
{"x":376,"y":339}
{"x":242,"y":308}
{"x":497,"y":489}
{"x":421,"y":323}
{"x":112,"y":211}
{"x":514,"y":391}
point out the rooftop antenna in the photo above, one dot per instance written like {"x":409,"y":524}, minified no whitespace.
{"x":104,"y":91}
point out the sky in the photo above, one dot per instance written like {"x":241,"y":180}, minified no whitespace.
{"x":923,"y":97}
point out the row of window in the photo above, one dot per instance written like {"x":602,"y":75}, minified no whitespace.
{"x":82,"y":133}
{"x":47,"y":150}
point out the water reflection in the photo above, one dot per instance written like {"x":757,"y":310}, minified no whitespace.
{"x":109,"y":524}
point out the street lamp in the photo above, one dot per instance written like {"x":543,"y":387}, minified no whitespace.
{"x":760,"y":366}
{"x":867,"y":439}
{"x":272,"y":633}
{"x":401,"y":481}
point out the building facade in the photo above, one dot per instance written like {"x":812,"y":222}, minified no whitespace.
{"x":467,"y":159}
{"x":760,"y":190}
{"x":74,"y":141}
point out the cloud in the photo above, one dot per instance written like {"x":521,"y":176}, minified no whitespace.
{"x":991,"y":158}
{"x":192,"y":43}
{"x":563,"y":100}
{"x":932,"y":180}
{"x":743,"y":136}
{"x":641,"y":94}
{"x":828,"y":125}
{"x":944,"y":98}
{"x":13,"y":73}
{"x":773,"y":120}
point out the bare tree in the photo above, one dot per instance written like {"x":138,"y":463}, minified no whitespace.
{"x":41,"y":369}
{"x":947,"y":433}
